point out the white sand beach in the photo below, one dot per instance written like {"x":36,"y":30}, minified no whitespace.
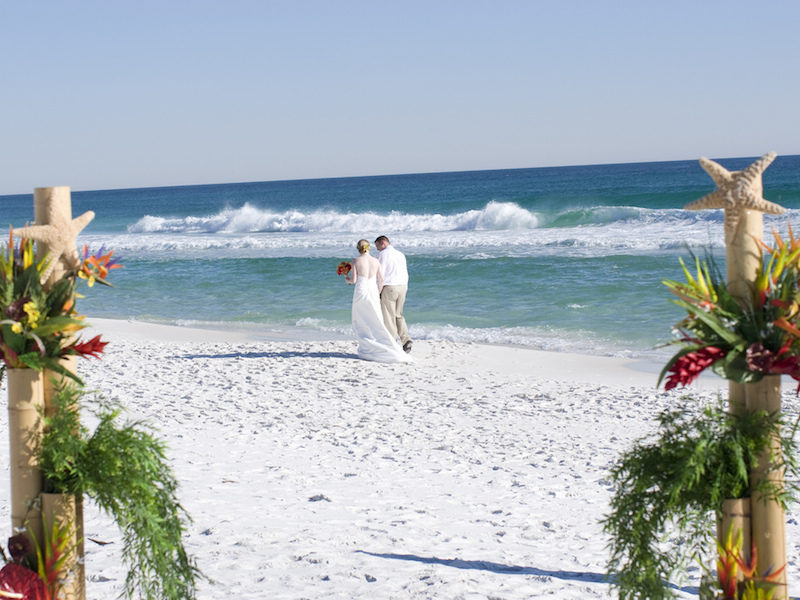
{"x":477,"y":472}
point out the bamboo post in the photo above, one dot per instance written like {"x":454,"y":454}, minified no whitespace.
{"x":25,"y":405}
{"x":736,"y":517}
{"x":768,"y":518}
{"x":743,"y":259}
{"x":50,"y":204}
{"x":53,"y":381}
{"x":66,"y":512}
{"x":740,"y":194}
{"x":65,"y":509}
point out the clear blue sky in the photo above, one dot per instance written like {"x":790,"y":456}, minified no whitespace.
{"x":114,"y":94}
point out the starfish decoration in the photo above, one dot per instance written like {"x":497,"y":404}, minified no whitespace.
{"x":60,"y":236}
{"x":736,"y":192}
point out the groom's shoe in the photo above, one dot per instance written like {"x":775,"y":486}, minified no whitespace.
{"x":407,"y":347}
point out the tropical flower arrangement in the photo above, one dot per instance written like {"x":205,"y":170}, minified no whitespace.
{"x":741,"y":342}
{"x":344,"y":268}
{"x":33,"y":573}
{"x":730,"y":562}
{"x":38,"y":325}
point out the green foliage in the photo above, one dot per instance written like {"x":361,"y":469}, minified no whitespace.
{"x":123,"y":467}
{"x":62,"y":451}
{"x":665,"y":489}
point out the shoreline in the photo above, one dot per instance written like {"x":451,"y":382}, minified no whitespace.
{"x":505,"y":358}
{"x":301,"y":331}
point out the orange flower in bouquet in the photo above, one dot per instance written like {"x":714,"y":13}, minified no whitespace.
{"x":344,"y":268}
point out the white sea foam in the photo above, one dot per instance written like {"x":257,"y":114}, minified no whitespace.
{"x":250,"y":219}
{"x":471,"y":244}
{"x":499,"y":229}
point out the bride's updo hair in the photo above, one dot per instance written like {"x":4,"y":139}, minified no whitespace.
{"x":362,"y":246}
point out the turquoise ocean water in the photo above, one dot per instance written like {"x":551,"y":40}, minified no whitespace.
{"x":566,"y":258}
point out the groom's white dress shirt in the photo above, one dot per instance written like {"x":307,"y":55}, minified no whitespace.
{"x":395,"y":271}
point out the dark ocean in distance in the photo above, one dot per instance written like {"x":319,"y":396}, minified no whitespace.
{"x":568,"y":259}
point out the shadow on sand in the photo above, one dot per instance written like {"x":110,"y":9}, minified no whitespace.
{"x":485,"y":565}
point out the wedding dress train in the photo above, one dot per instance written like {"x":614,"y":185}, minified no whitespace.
{"x":374,"y":341}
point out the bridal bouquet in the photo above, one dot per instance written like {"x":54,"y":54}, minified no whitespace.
{"x":741,"y":342}
{"x":344,"y":268}
{"x":38,"y":326}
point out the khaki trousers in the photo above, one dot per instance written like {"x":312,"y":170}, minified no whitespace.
{"x":393,"y":297}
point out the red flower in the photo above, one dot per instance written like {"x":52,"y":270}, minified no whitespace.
{"x":787,"y":366}
{"x":343,"y":268}
{"x":689,"y":366}
{"x":22,"y":582}
{"x":91,"y":348}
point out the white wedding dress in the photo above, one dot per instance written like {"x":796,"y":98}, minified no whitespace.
{"x":374,"y":341}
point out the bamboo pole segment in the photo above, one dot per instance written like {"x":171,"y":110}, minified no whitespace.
{"x":65,"y":508}
{"x":740,"y":194}
{"x":66,"y":511}
{"x":25,"y":405}
{"x":736,"y":517}
{"x":51,"y":205}
{"x":742,"y":260}
{"x":769,"y":520}
{"x":54,"y":380}
{"x":743,"y":255}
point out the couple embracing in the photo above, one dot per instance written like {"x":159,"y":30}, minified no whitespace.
{"x":378,"y":300}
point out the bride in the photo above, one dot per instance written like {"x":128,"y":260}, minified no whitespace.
{"x":374,"y":341}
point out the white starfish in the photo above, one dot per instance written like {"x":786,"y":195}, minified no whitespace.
{"x":60,"y":236}
{"x":736,"y":191}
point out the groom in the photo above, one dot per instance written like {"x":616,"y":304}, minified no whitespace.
{"x":395,"y":285}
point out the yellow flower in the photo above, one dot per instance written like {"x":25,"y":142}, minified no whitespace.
{"x":33,"y":313}
{"x":16,"y":328}
{"x":30,"y":310}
